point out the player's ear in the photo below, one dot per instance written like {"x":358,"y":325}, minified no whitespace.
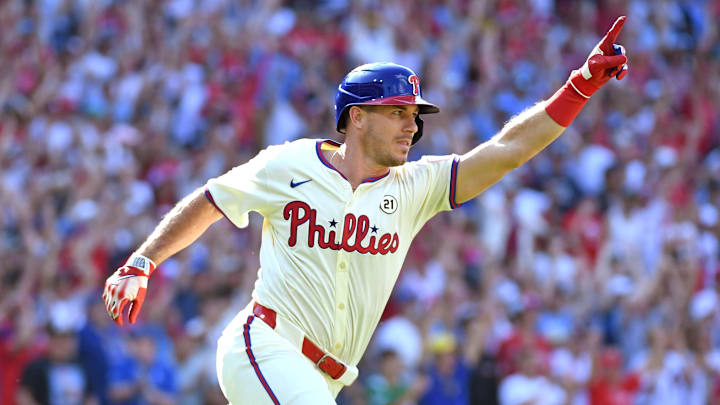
{"x":356,"y":117}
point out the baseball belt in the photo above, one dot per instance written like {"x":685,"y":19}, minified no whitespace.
{"x":329,"y":364}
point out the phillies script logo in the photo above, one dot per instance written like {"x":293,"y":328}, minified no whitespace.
{"x":299,"y":213}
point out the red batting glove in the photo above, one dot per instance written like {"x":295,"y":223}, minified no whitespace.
{"x":128,"y":285}
{"x":607,"y":60}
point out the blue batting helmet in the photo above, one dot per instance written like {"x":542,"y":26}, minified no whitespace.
{"x":380,"y":84}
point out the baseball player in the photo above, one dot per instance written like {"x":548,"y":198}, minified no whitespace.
{"x":338,"y":222}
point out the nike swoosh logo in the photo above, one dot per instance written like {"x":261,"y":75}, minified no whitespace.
{"x":299,"y":183}
{"x":128,"y":276}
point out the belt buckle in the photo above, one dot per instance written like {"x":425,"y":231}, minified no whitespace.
{"x":336,"y":374}
{"x":325,"y":356}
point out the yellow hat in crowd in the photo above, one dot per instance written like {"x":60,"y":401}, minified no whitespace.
{"x":441,"y":343}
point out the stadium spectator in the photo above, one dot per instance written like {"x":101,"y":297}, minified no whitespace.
{"x":142,"y":376}
{"x":56,"y":377}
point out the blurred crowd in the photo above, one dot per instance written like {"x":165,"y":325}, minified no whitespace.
{"x":589,"y":276}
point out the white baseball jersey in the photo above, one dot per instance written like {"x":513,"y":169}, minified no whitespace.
{"x":330,"y":256}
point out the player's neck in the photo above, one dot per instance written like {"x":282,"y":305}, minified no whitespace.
{"x":354,"y":164}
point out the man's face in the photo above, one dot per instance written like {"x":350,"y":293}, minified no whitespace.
{"x":529,"y":364}
{"x":62,"y":347}
{"x":445,"y":362}
{"x":144,"y":349}
{"x":391,"y":366}
{"x":388,"y":133}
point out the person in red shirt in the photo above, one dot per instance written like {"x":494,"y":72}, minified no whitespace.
{"x":610,"y":385}
{"x":19,"y":342}
{"x":524,"y":337}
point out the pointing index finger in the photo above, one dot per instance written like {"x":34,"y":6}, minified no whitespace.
{"x":611,"y":36}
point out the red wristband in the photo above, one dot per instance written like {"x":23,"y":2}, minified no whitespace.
{"x":565,"y":105}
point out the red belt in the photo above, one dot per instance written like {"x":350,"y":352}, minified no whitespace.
{"x":321,"y":359}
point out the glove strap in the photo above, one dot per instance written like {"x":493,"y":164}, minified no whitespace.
{"x":141,"y":262}
{"x":565,"y":104}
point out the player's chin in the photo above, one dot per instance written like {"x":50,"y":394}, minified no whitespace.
{"x":394,"y":158}
{"x":400,"y":158}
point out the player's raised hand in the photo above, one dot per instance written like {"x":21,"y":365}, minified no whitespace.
{"x":128,"y":285}
{"x":607,"y":60}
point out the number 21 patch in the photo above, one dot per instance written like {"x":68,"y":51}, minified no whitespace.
{"x":389,"y":204}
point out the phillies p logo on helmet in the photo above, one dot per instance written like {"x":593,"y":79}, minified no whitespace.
{"x":415,"y":81}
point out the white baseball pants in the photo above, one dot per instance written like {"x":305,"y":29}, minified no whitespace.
{"x":258,"y":367}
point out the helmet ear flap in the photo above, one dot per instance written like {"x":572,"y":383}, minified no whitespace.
{"x":342,"y":121}
{"x":416,"y":137}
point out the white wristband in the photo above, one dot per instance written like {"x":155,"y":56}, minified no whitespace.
{"x":141,"y":262}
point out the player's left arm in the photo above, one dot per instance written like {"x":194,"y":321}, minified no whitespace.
{"x":532,"y":130}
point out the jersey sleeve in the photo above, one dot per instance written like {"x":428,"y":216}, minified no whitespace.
{"x":433,"y":181}
{"x":242,"y":189}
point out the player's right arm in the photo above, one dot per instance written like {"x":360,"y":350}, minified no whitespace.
{"x":180,"y":227}
{"x":184,"y":224}
{"x":235,"y":193}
